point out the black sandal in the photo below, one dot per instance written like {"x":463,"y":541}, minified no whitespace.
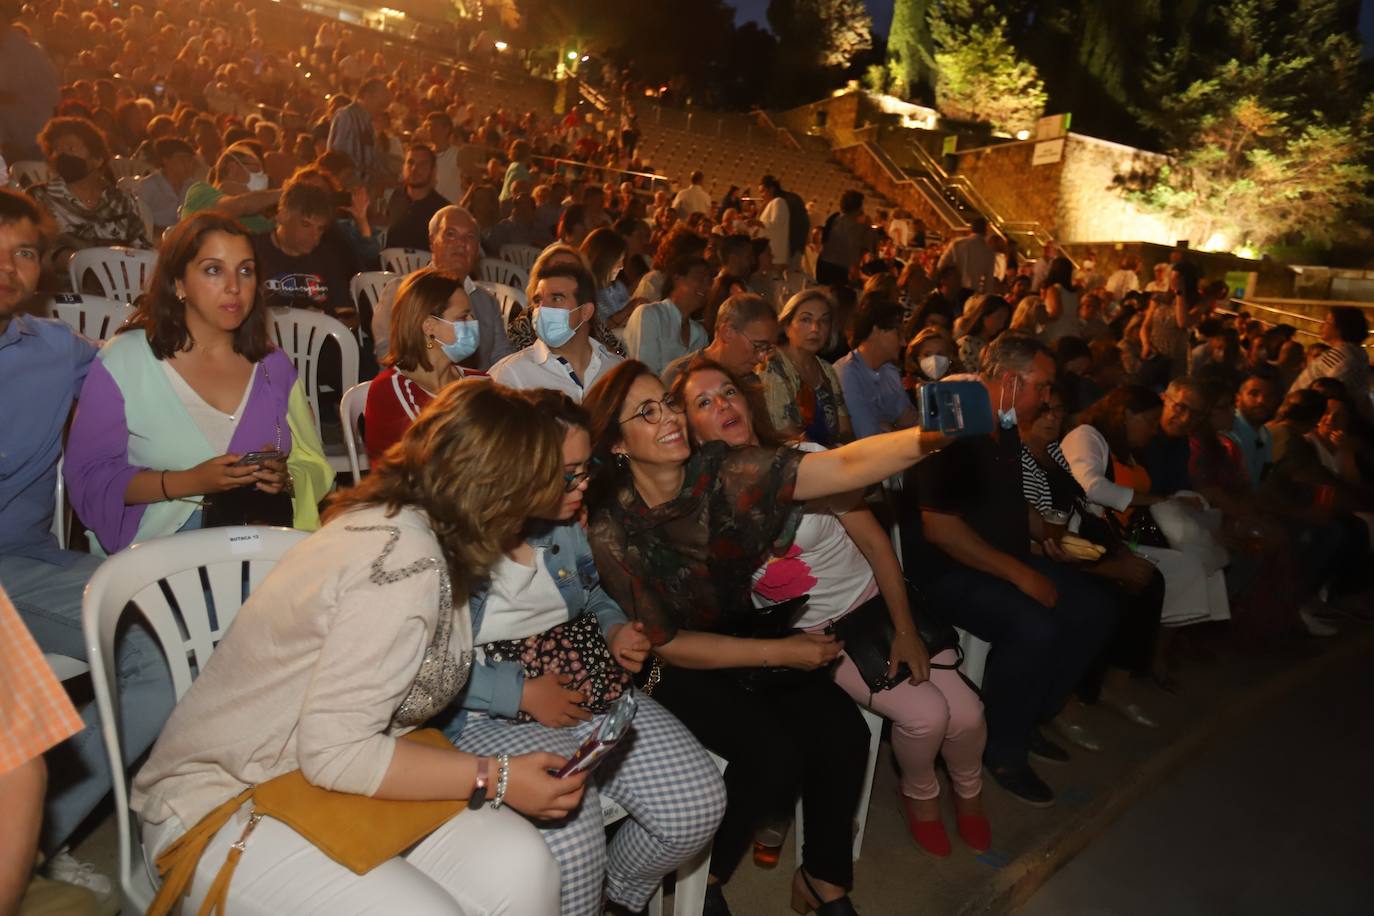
{"x":808,"y":901}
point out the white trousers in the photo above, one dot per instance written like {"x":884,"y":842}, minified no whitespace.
{"x":480,"y":863}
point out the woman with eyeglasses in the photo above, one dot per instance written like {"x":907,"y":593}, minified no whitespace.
{"x":432,"y":331}
{"x":842,"y":559}
{"x":677,"y":537}
{"x":543,"y":591}
{"x":236,"y":186}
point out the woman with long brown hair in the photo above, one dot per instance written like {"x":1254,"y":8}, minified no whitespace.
{"x":359,"y":636}
{"x":184,"y":392}
{"x":677,"y":537}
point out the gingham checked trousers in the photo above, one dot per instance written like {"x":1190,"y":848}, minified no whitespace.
{"x":659,"y":773}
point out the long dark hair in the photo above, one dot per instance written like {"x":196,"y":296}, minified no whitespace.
{"x":1108,"y":416}
{"x":161,"y":315}
{"x":1060,"y":272}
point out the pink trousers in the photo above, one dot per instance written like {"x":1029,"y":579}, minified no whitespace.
{"x":941,"y":715}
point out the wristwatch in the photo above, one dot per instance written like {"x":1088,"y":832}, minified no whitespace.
{"x":479,"y":789}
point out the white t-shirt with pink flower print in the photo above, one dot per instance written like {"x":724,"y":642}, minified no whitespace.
{"x":823,"y":562}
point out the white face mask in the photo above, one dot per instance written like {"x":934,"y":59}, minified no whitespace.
{"x":1007,"y":418}
{"x":934,"y":365}
{"x":257,"y":181}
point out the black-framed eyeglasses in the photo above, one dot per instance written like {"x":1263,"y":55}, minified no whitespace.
{"x":652,"y":411}
{"x":573,"y":481}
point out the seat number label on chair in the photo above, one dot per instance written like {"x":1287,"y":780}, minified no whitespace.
{"x":243,"y":540}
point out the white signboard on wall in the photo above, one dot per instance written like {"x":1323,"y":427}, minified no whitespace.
{"x":1048,"y":151}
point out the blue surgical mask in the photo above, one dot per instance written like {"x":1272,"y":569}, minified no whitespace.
{"x":554,"y":326}
{"x":464,"y":339}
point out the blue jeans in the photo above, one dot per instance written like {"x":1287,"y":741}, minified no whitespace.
{"x":48,"y":598}
{"x":1038,"y":654}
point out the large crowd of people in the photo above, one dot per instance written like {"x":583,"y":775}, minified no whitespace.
{"x":674,"y":471}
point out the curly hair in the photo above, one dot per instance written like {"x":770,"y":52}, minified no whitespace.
{"x":455,"y":464}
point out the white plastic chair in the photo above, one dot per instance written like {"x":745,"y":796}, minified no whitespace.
{"x":508,"y":297}
{"x":125,"y":167}
{"x":368,"y":286}
{"x":27,"y":173}
{"x":351,"y":407}
{"x":65,"y":667}
{"x":494,"y":270}
{"x":301,"y":334}
{"x":405,"y":260}
{"x":94,"y":316}
{"x":122,"y":273}
{"x":875,"y":734}
{"x":522,"y":256}
{"x":188,"y":628}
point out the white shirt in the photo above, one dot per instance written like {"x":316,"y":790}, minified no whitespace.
{"x":523,"y":600}
{"x":1123,"y":282}
{"x":653,"y":335}
{"x":448,"y":178}
{"x":823,"y":562}
{"x":976,"y":260}
{"x":537,"y":366}
{"x":1088,"y":453}
{"x":775,"y":219}
{"x":692,"y":199}
{"x":216,"y":426}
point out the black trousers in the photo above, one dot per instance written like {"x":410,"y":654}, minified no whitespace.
{"x":807,"y":738}
{"x":1039,"y":655}
{"x":1132,"y":646}
{"x":829,"y":273}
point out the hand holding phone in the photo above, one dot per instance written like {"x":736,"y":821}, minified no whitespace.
{"x":607,"y":735}
{"x":956,"y":408}
{"x":260,"y":457}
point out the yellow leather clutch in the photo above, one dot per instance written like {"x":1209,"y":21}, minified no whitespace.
{"x":356,"y":831}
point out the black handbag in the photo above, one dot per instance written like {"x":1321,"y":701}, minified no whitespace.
{"x":777,"y":621}
{"x":867,"y":632}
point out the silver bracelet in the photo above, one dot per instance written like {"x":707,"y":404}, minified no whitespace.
{"x":502,"y":777}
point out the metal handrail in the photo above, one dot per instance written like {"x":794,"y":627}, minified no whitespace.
{"x":924,"y":186}
{"x":652,"y":176}
{"x":1260,"y":305}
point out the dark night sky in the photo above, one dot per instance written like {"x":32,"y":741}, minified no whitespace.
{"x":881,"y":10}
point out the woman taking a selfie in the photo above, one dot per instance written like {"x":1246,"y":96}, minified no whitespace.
{"x":677,"y":537}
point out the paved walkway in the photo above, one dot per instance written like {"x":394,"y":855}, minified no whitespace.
{"x":1274,"y":819}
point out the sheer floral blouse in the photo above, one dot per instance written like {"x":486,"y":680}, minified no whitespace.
{"x":688,"y":563}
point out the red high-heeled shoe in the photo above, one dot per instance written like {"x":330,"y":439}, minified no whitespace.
{"x":929,"y":835}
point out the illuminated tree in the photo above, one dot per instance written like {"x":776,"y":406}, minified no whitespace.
{"x":910,"y":52}
{"x":978,"y":74}
{"x":1268,"y":143}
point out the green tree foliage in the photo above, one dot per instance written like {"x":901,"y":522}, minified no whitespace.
{"x":1269,"y":132}
{"x":978,"y":74}
{"x":910,"y":51}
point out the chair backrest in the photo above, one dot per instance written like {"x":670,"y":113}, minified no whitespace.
{"x":351,"y":408}
{"x":494,"y":270}
{"x":27,"y":173}
{"x":189,"y":587}
{"x":94,"y":316}
{"x":508,"y":297}
{"x":369,"y":283}
{"x":301,"y":334}
{"x":145,"y":210}
{"x":522,"y":256}
{"x":405,"y":260}
{"x":122,"y":273}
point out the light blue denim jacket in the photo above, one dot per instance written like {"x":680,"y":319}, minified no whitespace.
{"x":495,"y":687}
